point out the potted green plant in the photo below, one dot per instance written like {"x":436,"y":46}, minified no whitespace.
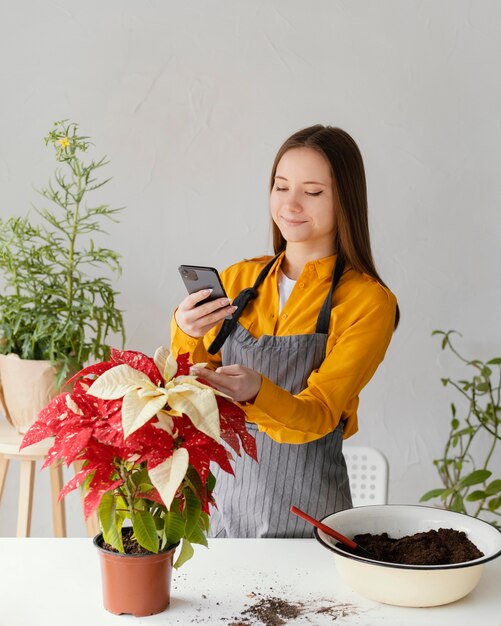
{"x":57,"y":305}
{"x":468,"y":483}
{"x":146,"y":432}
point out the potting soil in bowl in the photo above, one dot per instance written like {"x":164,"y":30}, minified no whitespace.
{"x":444,"y":546}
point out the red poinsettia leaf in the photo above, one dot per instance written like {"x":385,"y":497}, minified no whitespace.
{"x":249,"y":444}
{"x":107,"y":409}
{"x":72,"y":442}
{"x":109,"y":431}
{"x":188,"y":432}
{"x":54,"y":413}
{"x":36,"y":432}
{"x":199,"y":439}
{"x":229,"y":409}
{"x":96,"y":369}
{"x":100,"y":456}
{"x":96,"y":492}
{"x":200,"y":461}
{"x":75,"y":482}
{"x":82,"y":385}
{"x":81,"y":405}
{"x":52,"y":456}
{"x":151,"y":495}
{"x":183,"y":364}
{"x":229,"y":437}
{"x":232,"y":418}
{"x":222,"y":457}
{"x":64,"y":409}
{"x":138,"y":361}
{"x":153,"y":445}
{"x":193,"y":438}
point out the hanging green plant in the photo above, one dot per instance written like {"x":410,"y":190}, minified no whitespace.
{"x":468,"y":484}
{"x":58,"y":302}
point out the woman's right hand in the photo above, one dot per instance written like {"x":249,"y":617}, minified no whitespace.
{"x":197,"y":320}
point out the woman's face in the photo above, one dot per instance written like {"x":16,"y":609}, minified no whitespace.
{"x":303,"y":200}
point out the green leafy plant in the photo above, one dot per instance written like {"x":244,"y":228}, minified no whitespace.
{"x":469,"y":486}
{"x":146,"y":432}
{"x":55,"y":304}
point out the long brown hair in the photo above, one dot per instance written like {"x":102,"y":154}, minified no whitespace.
{"x":352,"y":240}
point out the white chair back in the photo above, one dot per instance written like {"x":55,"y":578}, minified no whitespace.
{"x":368,"y":474}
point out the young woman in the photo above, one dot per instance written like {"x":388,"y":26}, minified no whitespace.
{"x":310,"y":326}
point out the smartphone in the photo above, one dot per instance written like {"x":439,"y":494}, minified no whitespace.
{"x":197,"y":277}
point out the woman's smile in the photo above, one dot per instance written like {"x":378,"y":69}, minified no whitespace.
{"x":290,"y":221}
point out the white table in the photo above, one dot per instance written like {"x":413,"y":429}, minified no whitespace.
{"x":56,"y":582}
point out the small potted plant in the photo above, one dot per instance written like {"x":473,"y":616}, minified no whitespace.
{"x":465,"y":468}
{"x":146,"y":432}
{"x":57,"y":305}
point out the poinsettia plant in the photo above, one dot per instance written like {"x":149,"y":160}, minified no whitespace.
{"x":147,"y":432}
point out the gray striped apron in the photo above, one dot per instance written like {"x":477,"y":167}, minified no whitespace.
{"x":312,"y":476}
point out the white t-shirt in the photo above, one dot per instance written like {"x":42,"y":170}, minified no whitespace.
{"x":285,"y":287}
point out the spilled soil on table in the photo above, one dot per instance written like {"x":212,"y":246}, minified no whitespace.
{"x":270,"y":610}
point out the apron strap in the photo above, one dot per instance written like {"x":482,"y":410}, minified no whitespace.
{"x":241,"y":301}
{"x":324,"y":317}
{"x":246,"y":295}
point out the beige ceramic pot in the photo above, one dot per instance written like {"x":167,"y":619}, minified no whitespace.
{"x":135,"y":584}
{"x":409,"y":585}
{"x":26,"y":387}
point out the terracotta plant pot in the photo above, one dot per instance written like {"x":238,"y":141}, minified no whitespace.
{"x":136,"y":584}
{"x":26,"y":387}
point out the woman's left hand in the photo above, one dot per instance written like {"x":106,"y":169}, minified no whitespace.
{"x":241,"y":383}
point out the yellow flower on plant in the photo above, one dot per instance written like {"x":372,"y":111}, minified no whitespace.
{"x":64,"y":142}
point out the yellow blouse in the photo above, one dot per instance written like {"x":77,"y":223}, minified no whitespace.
{"x":361,"y":327}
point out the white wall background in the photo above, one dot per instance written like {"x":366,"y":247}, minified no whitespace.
{"x":191,"y":100}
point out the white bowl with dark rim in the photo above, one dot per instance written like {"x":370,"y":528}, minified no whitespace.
{"x":409,"y":585}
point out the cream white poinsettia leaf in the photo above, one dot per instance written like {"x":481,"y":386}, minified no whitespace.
{"x":165,"y":362}
{"x":165,"y":421}
{"x":193,"y":382}
{"x":138,"y":408}
{"x":197,"y":365}
{"x":118,"y":381}
{"x":200,"y":405}
{"x":167,"y":476}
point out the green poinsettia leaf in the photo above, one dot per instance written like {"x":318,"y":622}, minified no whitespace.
{"x":174,"y":528}
{"x":192,"y":510}
{"x":140,"y":476}
{"x":109,"y":521}
{"x":145,"y":530}
{"x":197,"y":535}
{"x":185,"y":554}
{"x":204,"y":522}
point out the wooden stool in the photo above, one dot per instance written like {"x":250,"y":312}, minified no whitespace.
{"x":10,"y":440}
